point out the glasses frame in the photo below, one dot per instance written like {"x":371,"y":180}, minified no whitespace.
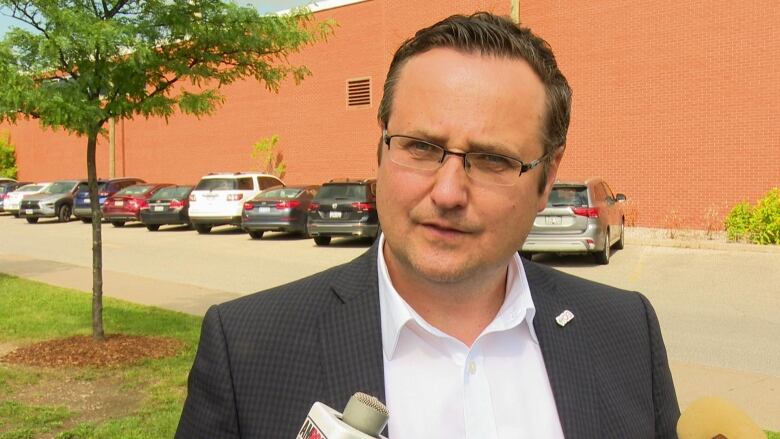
{"x":524,"y":167}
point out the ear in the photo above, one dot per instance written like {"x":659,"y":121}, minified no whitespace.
{"x":381,"y":143}
{"x":552,"y":174}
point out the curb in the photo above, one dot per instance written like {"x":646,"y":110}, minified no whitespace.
{"x":693,"y":239}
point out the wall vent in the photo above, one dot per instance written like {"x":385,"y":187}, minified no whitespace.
{"x":359,"y":92}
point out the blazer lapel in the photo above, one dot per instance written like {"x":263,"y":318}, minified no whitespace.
{"x":566,"y":355}
{"x":352,"y":336}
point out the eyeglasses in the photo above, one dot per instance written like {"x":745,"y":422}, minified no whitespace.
{"x":484,"y":167}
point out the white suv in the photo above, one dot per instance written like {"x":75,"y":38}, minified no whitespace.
{"x":219,"y":198}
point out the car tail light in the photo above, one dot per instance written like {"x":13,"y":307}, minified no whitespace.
{"x":287,"y":204}
{"x":590,"y":212}
{"x":235,"y":197}
{"x":249,"y":206}
{"x":142,"y":204}
{"x":362,"y":207}
{"x":192,"y":197}
{"x":3,"y":196}
{"x":313,"y":207}
{"x":176,"y":204}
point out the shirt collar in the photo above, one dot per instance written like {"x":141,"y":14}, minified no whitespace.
{"x":518,"y":306}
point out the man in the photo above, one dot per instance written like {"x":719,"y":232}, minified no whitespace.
{"x":441,"y":319}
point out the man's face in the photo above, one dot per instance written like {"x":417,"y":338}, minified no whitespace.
{"x":441,"y":226}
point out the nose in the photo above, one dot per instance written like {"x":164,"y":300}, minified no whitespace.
{"x":450,"y":189}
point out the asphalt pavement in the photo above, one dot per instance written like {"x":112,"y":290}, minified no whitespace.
{"x":717,"y":302}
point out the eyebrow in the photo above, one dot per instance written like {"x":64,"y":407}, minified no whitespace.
{"x":494,"y":148}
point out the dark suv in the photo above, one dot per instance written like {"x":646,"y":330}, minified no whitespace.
{"x":106,"y":188}
{"x":344,"y":208}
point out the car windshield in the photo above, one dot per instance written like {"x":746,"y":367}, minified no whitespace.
{"x":224,"y":184}
{"x":135,"y":190}
{"x":61,"y":187}
{"x":177,"y":192}
{"x":342,"y":191}
{"x":287,"y":193}
{"x":568,"y":196}
{"x":30,"y":188}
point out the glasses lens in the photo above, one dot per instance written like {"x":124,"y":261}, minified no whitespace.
{"x":493,"y":169}
{"x":414,"y":153}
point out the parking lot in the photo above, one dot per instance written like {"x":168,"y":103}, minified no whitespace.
{"x":717,"y":308}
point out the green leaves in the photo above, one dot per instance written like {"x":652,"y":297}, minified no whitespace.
{"x":83,"y":62}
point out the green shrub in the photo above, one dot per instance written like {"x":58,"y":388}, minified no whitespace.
{"x":738,"y":221}
{"x":759,"y":224}
{"x":7,"y":156}
{"x":765,"y":221}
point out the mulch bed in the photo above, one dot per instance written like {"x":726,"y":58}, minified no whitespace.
{"x":82,"y":350}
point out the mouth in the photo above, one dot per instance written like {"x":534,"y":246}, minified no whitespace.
{"x":444,"y":228}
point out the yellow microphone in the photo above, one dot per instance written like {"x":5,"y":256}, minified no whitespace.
{"x":716,"y":418}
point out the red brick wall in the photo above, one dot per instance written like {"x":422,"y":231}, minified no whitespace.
{"x":677,"y":106}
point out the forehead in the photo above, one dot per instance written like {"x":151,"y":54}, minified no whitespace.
{"x":469,"y":97}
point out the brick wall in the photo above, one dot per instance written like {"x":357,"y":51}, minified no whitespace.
{"x":676,"y":105}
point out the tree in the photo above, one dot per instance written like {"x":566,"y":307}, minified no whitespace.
{"x":270,"y":159}
{"x":7,"y":156}
{"x":79,"y":63}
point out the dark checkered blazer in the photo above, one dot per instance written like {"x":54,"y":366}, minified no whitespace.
{"x":264,"y":359}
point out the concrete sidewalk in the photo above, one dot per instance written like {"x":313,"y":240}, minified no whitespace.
{"x":747,"y":390}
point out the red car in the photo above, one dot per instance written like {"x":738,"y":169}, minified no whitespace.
{"x":126,"y":204}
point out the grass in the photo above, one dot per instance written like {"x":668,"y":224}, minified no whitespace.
{"x":32,"y":311}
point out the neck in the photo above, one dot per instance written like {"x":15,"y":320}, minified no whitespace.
{"x":461,"y":309}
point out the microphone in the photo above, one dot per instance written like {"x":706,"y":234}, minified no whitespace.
{"x":364,"y":418}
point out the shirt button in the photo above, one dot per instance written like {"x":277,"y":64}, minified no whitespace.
{"x":472,"y":368}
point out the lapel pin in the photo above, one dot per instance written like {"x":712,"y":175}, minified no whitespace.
{"x":564,"y":318}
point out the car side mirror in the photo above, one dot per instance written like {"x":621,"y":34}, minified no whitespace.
{"x":620,"y":197}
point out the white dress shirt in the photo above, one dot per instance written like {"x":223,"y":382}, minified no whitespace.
{"x":437,"y":387}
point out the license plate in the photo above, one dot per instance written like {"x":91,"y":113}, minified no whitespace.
{"x":119,"y":203}
{"x":28,"y":211}
{"x":334,"y":215}
{"x":158,"y":208}
{"x":262,"y":209}
{"x":86,"y":200}
{"x":552,"y":220}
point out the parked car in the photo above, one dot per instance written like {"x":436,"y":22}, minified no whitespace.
{"x":168,"y":206}
{"x":14,"y":199}
{"x":580,"y":217}
{"x":284,"y":209}
{"x":126,"y":205}
{"x":7,"y":180}
{"x":54,"y":201}
{"x":6,"y":187}
{"x":106,"y":188}
{"x":344,"y":208}
{"x":219,"y":198}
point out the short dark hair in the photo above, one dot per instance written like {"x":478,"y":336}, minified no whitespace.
{"x":493,"y":35}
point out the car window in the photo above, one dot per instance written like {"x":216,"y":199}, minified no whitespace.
{"x":216,"y":184}
{"x":344,"y":191}
{"x":281,"y":193}
{"x":568,"y":196}
{"x":246,"y":184}
{"x":60,"y":187}
{"x":135,"y":190}
{"x":30,"y":188}
{"x":177,"y":192}
{"x":83,"y":187}
{"x":266,"y":182}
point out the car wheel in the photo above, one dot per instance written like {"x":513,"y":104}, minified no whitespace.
{"x":322,"y":240}
{"x":621,"y":242}
{"x":16,"y":215}
{"x":32,"y":220}
{"x":118,"y":223}
{"x":527,"y":255}
{"x":203,"y":229}
{"x":256,"y":234}
{"x":602,"y":257}
{"x":86,"y":220}
{"x":152,"y":227}
{"x":63,"y":213}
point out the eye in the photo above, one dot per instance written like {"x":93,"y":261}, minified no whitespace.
{"x":491,"y":162}
{"x":418,"y":148}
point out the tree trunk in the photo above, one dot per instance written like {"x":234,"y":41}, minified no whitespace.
{"x":97,"y":240}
